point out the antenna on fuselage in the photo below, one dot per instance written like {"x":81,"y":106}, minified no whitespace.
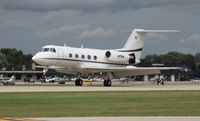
{"x":65,"y":45}
{"x":82,"y":46}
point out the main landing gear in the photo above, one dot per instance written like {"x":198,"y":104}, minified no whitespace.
{"x":78,"y":82}
{"x":107,"y":79}
{"x":107,"y":83}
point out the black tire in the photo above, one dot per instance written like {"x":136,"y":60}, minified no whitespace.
{"x":78,"y":82}
{"x":107,"y":83}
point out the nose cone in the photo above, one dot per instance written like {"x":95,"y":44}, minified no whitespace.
{"x":39,"y":59}
{"x":35,"y":58}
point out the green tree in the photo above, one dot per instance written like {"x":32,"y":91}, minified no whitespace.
{"x":3,"y":60}
{"x":16,"y":59}
{"x":197,"y":63}
{"x":171,"y":59}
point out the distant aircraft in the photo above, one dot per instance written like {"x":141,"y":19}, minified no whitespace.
{"x":109,"y":64}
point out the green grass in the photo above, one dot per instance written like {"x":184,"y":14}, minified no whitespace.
{"x":131,"y":103}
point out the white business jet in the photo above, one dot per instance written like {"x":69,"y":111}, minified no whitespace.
{"x":108,"y":64}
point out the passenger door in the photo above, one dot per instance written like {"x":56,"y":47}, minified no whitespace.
{"x":60,"y":56}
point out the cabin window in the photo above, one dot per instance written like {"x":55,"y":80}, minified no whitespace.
{"x":82,"y":56}
{"x":89,"y":57}
{"x":70,"y":55}
{"x":95,"y":57}
{"x":76,"y":55}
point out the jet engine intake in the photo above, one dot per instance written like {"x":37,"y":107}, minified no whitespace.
{"x":120,"y":57}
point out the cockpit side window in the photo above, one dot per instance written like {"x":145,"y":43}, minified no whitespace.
{"x":48,"y":50}
{"x":54,"y":50}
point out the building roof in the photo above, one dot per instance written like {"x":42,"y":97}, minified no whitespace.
{"x":21,"y":72}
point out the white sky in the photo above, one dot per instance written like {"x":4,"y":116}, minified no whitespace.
{"x":30,"y":24}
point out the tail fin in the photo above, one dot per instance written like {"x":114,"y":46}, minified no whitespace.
{"x":135,"y":42}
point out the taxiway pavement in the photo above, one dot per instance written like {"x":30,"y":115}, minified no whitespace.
{"x":127,"y":87}
{"x":162,"y":118}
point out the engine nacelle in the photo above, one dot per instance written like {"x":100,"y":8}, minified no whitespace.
{"x":120,"y":57}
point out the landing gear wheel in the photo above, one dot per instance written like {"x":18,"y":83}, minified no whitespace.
{"x":107,"y":83}
{"x":78,"y":82}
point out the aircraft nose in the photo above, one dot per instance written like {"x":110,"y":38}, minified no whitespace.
{"x":37,"y":58}
{"x":34,"y":58}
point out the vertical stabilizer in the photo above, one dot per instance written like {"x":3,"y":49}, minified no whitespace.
{"x":135,"y":42}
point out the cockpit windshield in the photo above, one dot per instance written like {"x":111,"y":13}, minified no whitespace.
{"x":41,"y":49}
{"x":48,"y":50}
{"x":45,"y":50}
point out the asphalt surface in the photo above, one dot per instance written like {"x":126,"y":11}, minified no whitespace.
{"x":164,"y":118}
{"x":131,"y":86}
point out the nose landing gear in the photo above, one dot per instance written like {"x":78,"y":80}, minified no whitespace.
{"x":78,"y":82}
{"x":107,"y":83}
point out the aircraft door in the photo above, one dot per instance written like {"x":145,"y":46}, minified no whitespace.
{"x":60,"y":56}
{"x":60,"y":53}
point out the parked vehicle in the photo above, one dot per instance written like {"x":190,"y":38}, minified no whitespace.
{"x":10,"y":81}
{"x":51,"y":80}
{"x":29,"y":80}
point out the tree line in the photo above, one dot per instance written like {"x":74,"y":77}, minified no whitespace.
{"x":175,"y":59}
{"x":13,"y":59}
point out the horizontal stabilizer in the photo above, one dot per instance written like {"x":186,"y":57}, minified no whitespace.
{"x":155,"y":31}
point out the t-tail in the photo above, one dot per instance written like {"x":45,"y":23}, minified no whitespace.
{"x":135,"y":42}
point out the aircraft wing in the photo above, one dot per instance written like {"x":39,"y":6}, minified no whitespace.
{"x":128,"y":70}
{"x":117,"y":71}
{"x":50,"y":67}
